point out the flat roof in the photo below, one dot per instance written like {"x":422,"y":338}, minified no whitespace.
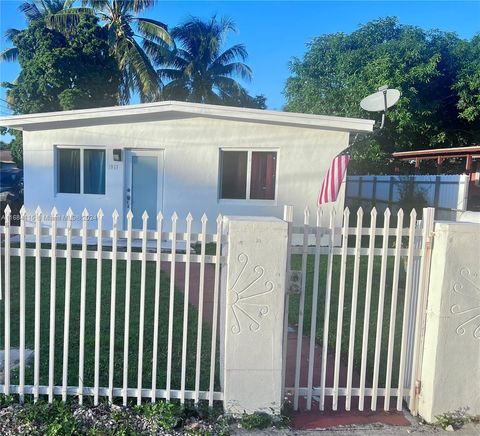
{"x":174,"y":109}
{"x":473,"y":151}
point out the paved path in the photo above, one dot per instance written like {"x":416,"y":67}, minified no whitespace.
{"x":302,"y":419}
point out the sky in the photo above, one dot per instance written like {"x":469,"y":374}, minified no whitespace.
{"x":275,"y":32}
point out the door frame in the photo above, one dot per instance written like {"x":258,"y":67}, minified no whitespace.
{"x":129,"y":152}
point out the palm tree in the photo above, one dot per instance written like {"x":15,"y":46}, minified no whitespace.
{"x":124,"y":28}
{"x":200,"y":70}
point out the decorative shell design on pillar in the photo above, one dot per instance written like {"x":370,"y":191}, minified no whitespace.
{"x":244,"y":295}
{"x":469,"y":313}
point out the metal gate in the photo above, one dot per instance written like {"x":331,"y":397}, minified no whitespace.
{"x":355,"y":306}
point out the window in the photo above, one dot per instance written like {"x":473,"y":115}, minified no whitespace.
{"x":80,"y":171}
{"x":248,"y":175}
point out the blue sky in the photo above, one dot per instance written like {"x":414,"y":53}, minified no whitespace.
{"x":274,"y":32}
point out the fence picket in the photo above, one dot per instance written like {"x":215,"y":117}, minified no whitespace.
{"x":201,"y":290}
{"x":8,"y":216}
{"x":83,"y":290}
{"x":353,"y":313}
{"x":301,"y":308}
{"x":158,"y":269}
{"x":185,"y":307}
{"x":38,"y":288}
{"x":216,"y":292}
{"x":341,"y":298}
{"x":366,"y":316}
{"x":406,"y":311}
{"x":381,"y":303}
{"x":126,"y":332}
{"x":21,"y":375}
{"x":53,"y":295}
{"x":171,"y":305}
{"x":393,"y":311}
{"x":113,"y":297}
{"x":313,"y":322}
{"x":326,"y":319}
{"x":141,"y":321}
{"x":288,"y":218}
{"x":98,"y":303}
{"x":66,"y":317}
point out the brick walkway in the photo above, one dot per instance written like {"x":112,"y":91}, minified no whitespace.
{"x":302,"y":419}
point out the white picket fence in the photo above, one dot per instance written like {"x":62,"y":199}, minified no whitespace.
{"x":353,"y":265}
{"x":107,"y":249}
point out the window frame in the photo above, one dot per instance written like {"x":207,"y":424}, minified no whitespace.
{"x":247,"y":200}
{"x":82,"y":149}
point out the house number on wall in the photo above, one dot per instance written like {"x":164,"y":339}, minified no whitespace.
{"x":113,"y":166}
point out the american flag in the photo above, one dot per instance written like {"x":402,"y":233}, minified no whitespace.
{"x":333,"y":180}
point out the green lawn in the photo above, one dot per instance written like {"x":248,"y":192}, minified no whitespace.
{"x":295,"y":300}
{"x":105,"y":326}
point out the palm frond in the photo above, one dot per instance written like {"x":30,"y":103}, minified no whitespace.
{"x":11,"y":33}
{"x":65,"y":20}
{"x":231,"y":70}
{"x":154,"y":30}
{"x":141,"y":69}
{"x":229,"y":86}
{"x":176,"y":90}
{"x":160,"y":53}
{"x":170,"y":74}
{"x":237,"y":51}
{"x":135,"y":6}
{"x":9,"y":54}
{"x":30,"y":10}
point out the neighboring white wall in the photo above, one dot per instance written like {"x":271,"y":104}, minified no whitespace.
{"x":450,"y":376}
{"x":191,"y":165}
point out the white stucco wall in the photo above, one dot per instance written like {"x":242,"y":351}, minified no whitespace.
{"x":191,"y":150}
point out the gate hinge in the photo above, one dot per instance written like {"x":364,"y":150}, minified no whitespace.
{"x":294,"y":285}
{"x":418,"y":387}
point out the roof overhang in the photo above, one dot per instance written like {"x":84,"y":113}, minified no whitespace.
{"x":174,"y":110}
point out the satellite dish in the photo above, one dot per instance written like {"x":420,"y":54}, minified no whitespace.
{"x":380,"y":101}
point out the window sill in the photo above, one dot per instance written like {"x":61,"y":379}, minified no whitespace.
{"x":234,"y":202}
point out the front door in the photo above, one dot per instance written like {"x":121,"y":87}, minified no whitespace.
{"x":144,"y":187}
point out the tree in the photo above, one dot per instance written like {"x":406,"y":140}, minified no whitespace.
{"x":200,"y":70}
{"x":437,"y":73}
{"x":124,"y":28}
{"x":34,"y":11}
{"x":62,"y":72}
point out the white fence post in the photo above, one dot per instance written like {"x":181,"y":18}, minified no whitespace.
{"x":254,"y":292}
{"x":450,"y":366}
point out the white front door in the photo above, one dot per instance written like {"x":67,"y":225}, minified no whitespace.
{"x":144,"y":187}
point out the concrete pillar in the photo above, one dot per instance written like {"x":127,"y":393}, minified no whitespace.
{"x":253,"y":308}
{"x":450,"y":376}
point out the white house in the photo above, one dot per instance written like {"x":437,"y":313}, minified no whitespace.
{"x":182,"y":157}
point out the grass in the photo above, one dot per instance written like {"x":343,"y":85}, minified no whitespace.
{"x":347,"y":307}
{"x":69,"y":418}
{"x":105,"y":326}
